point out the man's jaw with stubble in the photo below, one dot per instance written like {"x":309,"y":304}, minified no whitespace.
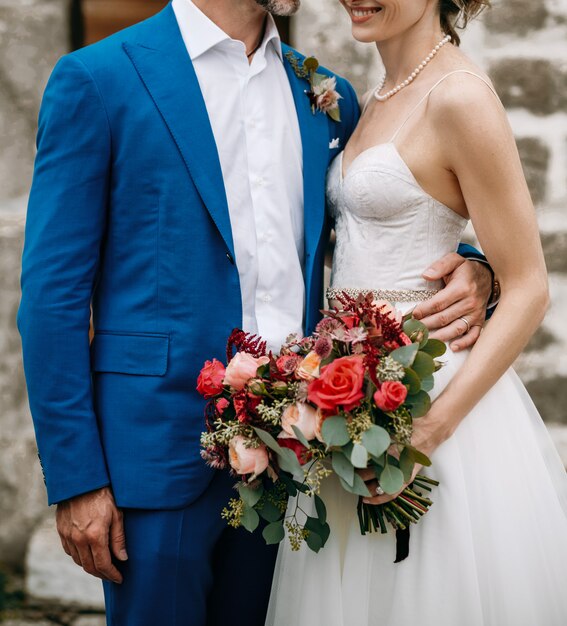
{"x":282,"y":8}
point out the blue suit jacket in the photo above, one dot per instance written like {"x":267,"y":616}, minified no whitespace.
{"x":128,"y":212}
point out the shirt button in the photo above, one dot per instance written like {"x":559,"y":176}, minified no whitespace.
{"x":260,"y":182}
{"x":267,"y":298}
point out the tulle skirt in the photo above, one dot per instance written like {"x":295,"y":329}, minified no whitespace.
{"x":492,"y":551}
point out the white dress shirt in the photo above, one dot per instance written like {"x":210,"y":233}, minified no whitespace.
{"x":256,"y":131}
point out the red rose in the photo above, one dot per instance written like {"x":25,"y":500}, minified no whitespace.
{"x":390,"y":395}
{"x":301,"y":452}
{"x":340,"y":384}
{"x":209,"y":383}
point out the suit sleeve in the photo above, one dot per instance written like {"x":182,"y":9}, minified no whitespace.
{"x":471,"y":253}
{"x":64,"y":230}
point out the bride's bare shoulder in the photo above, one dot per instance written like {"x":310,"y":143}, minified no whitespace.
{"x":466,"y":103}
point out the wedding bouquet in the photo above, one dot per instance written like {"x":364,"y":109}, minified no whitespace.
{"x":340,"y":400}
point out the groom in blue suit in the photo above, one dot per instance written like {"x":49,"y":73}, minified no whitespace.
{"x":151,"y":198}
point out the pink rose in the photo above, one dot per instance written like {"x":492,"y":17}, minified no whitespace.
{"x":209,"y":383}
{"x":309,"y":367}
{"x":302,"y":416}
{"x":340,"y":385}
{"x":245,"y":460}
{"x":390,"y":395}
{"x":242,"y":368}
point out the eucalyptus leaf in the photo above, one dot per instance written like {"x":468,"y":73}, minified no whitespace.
{"x":310,"y":64}
{"x":249,"y":519}
{"x":412,"y":381}
{"x":391,"y":479}
{"x":359,"y":456}
{"x":266,"y":438}
{"x":273,"y":533}
{"x":269,"y":511}
{"x":288,"y":461}
{"x":320,"y":508}
{"x":406,"y":354}
{"x":434,"y":348}
{"x":420,"y":403}
{"x":418,"y":457}
{"x":313,"y":524}
{"x":343,"y":467}
{"x":314,"y":541}
{"x":300,"y":436}
{"x":406,"y":464}
{"x":289,"y":483}
{"x":250,"y":496}
{"x":358,"y":487}
{"x":376,"y":440}
{"x":423,"y":365}
{"x":427,"y":383}
{"x":334,"y":431}
{"x":416,"y":331}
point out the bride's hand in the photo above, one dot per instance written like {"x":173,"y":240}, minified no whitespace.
{"x":468,"y":286}
{"x":426,"y":439}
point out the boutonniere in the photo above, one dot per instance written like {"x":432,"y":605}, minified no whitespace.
{"x":323,"y":94}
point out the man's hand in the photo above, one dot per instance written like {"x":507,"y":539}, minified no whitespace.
{"x":91,"y":530}
{"x":468,"y":285}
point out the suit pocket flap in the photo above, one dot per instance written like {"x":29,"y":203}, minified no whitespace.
{"x":142,"y":354}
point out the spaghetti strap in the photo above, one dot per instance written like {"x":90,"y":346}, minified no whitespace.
{"x":422,"y":100}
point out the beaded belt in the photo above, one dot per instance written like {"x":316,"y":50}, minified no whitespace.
{"x":390,"y":295}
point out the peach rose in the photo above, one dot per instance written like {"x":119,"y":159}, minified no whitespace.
{"x":302,"y":416}
{"x":309,"y":368}
{"x":391,"y":395}
{"x":242,"y":368}
{"x":245,"y":460}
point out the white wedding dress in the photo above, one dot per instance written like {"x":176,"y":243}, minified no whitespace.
{"x":492,"y":551}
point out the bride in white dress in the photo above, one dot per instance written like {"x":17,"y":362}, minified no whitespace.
{"x":428,"y":156}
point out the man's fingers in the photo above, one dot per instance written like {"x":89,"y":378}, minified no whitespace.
{"x":452,"y":314}
{"x":118,"y":537}
{"x":103,"y":563}
{"x":453,"y":293}
{"x":468,"y":340}
{"x":455,"y":330}
{"x":444,"y":266}
{"x":86,"y":557}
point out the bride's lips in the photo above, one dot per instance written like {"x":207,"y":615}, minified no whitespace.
{"x":361,"y":14}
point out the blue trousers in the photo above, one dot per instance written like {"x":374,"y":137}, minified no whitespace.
{"x":188,"y":568}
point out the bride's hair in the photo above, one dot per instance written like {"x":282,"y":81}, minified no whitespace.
{"x":457,"y":13}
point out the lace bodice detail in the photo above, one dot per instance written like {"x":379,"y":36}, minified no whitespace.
{"x":389,"y":230}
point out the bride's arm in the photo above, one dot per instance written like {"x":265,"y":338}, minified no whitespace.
{"x":481,"y":151}
{"x":478,"y":142}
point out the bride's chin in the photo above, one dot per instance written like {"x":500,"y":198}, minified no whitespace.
{"x":363,"y":35}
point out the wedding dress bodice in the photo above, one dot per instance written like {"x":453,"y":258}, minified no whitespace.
{"x":389,"y":229}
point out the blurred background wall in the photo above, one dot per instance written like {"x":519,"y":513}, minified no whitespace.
{"x":523,"y":46}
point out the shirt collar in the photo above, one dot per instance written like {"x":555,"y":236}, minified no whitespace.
{"x":201,"y":34}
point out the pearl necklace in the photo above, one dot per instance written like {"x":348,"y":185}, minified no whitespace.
{"x":412,"y":76}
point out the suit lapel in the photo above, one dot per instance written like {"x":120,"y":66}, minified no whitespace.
{"x":160,"y":57}
{"x":315,"y":143}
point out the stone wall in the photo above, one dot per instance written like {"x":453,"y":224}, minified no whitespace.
{"x":33,"y":34}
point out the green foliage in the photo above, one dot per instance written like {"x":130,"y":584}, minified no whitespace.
{"x":343,"y":467}
{"x":391,"y":479}
{"x":376,"y":440}
{"x":273,"y":533}
{"x":406,"y":354}
{"x":334,"y":431}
